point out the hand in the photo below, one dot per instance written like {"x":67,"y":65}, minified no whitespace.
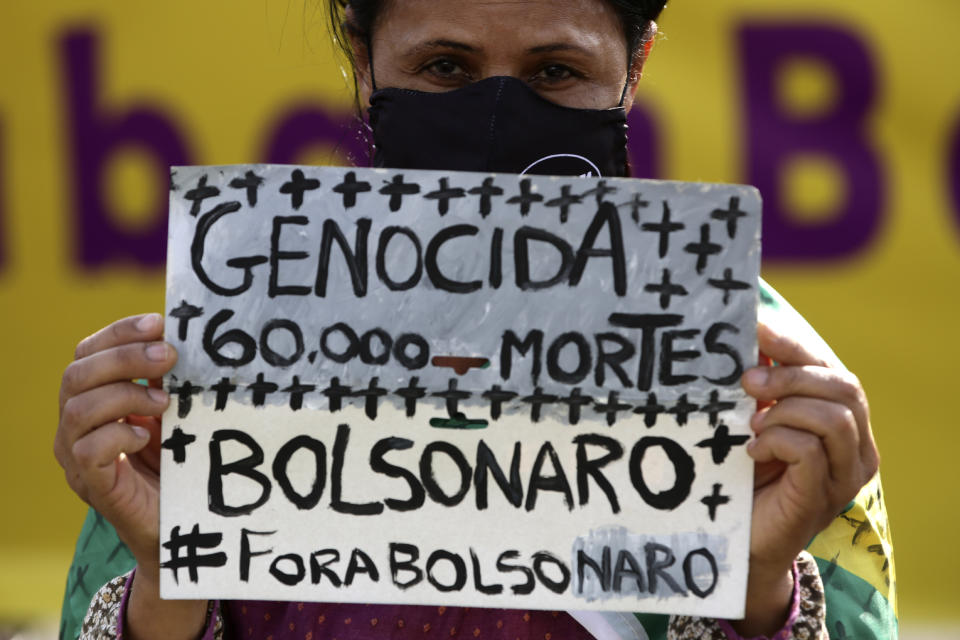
{"x":108,"y":436}
{"x":814,"y":450}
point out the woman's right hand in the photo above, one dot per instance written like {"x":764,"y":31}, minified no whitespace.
{"x":108,"y":437}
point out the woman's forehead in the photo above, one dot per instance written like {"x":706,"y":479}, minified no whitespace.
{"x":480,"y":23}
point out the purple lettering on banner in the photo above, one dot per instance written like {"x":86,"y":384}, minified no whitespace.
{"x":307,"y":125}
{"x":953,"y":167}
{"x":774,"y":136}
{"x":95,"y":133}
{"x":643,"y":142}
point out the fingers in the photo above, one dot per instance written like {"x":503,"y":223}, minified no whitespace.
{"x":833,"y":423}
{"x":115,"y":364}
{"x":785,"y":349}
{"x":142,"y":328}
{"x":835,"y":385}
{"x":107,"y":403}
{"x":806,"y":483}
{"x":96,"y":453}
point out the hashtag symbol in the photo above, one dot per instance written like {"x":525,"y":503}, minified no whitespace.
{"x":191,"y":560}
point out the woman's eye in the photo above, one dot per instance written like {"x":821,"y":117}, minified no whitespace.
{"x":444,"y":67}
{"x":554,"y":73}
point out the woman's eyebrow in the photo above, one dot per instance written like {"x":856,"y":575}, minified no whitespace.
{"x":558,"y":46}
{"x":430,"y":45}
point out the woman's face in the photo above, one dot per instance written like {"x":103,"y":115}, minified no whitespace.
{"x":572,"y":52}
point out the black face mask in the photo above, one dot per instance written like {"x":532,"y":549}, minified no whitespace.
{"x":495,"y":125}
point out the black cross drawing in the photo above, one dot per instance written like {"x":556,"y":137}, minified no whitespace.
{"x":666,"y":289}
{"x":444,"y":194}
{"x":223,"y":388}
{"x":177,"y":443}
{"x":730,"y":215}
{"x":564,"y":201}
{"x":537,"y":400}
{"x":728,"y":284}
{"x":410,"y":394}
{"x":611,"y":407}
{"x":371,"y":396}
{"x":453,"y":396}
{"x":396,"y":189}
{"x":185,"y":393}
{"x":721,"y":443}
{"x":200,"y":193}
{"x":714,"y":500}
{"x":251,"y":182}
{"x":184,"y":313}
{"x":297,"y":391}
{"x":575,"y":401}
{"x":525,"y":198}
{"x":715,"y":406}
{"x":682,"y":409}
{"x":296,"y":187}
{"x":601,"y":190}
{"x":703,"y":249}
{"x":336,"y":392}
{"x":486,"y":191}
{"x":650,"y":410}
{"x":665,"y":227}
{"x":350,"y":187}
{"x":636,"y":203}
{"x":261,"y":389}
{"x":497,"y":397}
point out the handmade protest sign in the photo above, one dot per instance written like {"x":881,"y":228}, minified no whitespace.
{"x":456,"y":388}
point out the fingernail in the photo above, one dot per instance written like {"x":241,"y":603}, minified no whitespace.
{"x":157,"y":395}
{"x":148,"y":322}
{"x":752,"y":444}
{"x":757,"y":377}
{"x":158,"y":352}
{"x":141,"y":433}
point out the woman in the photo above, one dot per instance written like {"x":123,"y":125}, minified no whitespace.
{"x":570,"y":69}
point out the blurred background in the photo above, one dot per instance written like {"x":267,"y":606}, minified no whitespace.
{"x":845,"y":115}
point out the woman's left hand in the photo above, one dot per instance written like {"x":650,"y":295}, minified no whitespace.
{"x":814,"y":450}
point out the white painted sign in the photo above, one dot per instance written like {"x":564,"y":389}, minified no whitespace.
{"x":456,"y":388}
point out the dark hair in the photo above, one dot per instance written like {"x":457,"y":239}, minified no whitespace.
{"x":635,"y":16}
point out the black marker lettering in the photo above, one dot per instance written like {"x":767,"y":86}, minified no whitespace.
{"x":276,"y":255}
{"x":282,"y":460}
{"x":206,"y":221}
{"x":356,"y":260}
{"x":336,"y":480}
{"x":512,"y":490}
{"x":383,"y":244}
{"x":522,"y":262}
{"x":712,"y":344}
{"x":379,"y":465}
{"x":434,"y":490}
{"x":608,"y":215}
{"x":439,"y":280}
{"x":246,"y":467}
{"x":683,"y":469}
{"x":587,"y":467}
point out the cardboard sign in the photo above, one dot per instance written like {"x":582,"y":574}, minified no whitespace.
{"x":454,"y":388}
